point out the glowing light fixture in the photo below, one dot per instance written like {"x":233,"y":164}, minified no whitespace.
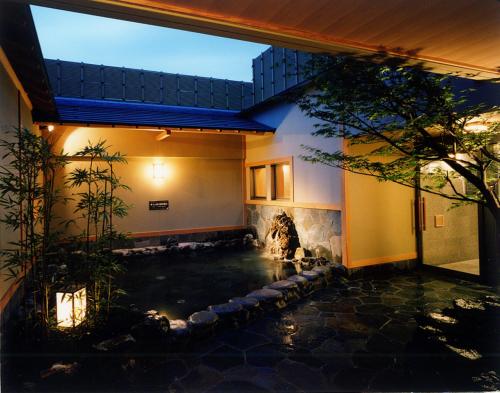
{"x":286,"y":169}
{"x":50,"y":128}
{"x":163,"y":135}
{"x":158,"y":171}
{"x":71,"y":306}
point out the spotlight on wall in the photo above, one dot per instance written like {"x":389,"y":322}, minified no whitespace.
{"x":48,"y":128}
{"x":158,"y":171}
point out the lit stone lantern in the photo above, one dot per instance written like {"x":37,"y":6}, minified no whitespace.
{"x":71,"y":305}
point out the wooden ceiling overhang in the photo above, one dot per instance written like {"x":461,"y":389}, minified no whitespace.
{"x":460,"y":36}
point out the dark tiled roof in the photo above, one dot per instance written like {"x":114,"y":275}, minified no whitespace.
{"x":85,"y":111}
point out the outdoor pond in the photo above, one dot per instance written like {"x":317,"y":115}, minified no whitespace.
{"x":177,"y":286}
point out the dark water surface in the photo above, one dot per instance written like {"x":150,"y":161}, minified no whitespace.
{"x":178,"y":286}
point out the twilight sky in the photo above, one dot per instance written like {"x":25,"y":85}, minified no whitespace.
{"x":97,"y":40}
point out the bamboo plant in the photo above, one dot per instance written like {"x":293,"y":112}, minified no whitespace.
{"x":28,"y":194}
{"x":97,"y":203}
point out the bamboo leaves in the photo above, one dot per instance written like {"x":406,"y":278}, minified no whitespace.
{"x":97,"y":203}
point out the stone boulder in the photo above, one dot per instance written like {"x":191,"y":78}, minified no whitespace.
{"x":116,"y":344}
{"x":179,"y":328}
{"x":248,"y":241}
{"x":231,"y":313}
{"x":283,"y":239}
{"x":300,"y":253}
{"x":337,"y":269}
{"x":60,"y":368}
{"x":269,"y":299}
{"x":289,"y":288}
{"x":303,"y":284}
{"x":203,"y":323}
{"x":154,"y":327}
{"x":250,"y":304}
{"x":307,"y":263}
{"x":180,"y":332}
{"x":314,"y":279}
{"x":323,"y":271}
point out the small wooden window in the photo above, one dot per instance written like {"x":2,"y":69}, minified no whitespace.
{"x":281,"y":181}
{"x":258,"y":182}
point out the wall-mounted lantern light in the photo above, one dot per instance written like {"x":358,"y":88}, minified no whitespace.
{"x":48,"y":128}
{"x":158,"y":171}
{"x":71,"y":306}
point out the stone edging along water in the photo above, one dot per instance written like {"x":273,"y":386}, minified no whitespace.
{"x":156,"y":328}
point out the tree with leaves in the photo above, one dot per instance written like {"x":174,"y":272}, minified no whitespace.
{"x":408,"y":113}
{"x":419,"y":129}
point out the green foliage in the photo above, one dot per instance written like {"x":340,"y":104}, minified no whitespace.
{"x":412,"y":121}
{"x":97,"y":203}
{"x":28,"y":194}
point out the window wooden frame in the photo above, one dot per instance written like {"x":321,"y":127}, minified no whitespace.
{"x":252,"y":182}
{"x":268,"y":164}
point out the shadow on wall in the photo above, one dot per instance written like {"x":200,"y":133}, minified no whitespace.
{"x":318,"y":230}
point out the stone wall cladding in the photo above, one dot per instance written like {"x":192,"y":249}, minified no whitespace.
{"x":319,"y":230}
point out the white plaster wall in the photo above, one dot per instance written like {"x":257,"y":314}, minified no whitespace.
{"x":313,"y":183}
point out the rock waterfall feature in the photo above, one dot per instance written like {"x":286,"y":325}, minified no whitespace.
{"x":282,"y":239}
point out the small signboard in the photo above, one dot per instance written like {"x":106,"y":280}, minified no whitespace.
{"x":158,"y":205}
{"x":439,"y":220}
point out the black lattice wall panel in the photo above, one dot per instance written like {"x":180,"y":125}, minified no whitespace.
{"x":276,"y":70}
{"x":170,"y":90}
{"x":114,"y":83}
{"x":70,"y":79}
{"x":92,"y":81}
{"x":258,"y":74}
{"x":152,"y":82}
{"x":204,"y":94}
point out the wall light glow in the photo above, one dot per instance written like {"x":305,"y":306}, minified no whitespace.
{"x":158,"y":171}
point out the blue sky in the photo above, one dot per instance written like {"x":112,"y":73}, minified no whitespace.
{"x":97,"y":40}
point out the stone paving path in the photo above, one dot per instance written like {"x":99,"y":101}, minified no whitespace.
{"x":374,"y":334}
{"x":353,"y":338}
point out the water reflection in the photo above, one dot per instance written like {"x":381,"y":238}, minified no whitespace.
{"x":178,"y":286}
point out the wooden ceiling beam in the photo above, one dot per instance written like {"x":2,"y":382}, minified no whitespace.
{"x":169,"y":13}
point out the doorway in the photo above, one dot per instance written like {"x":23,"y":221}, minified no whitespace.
{"x":449,"y":234}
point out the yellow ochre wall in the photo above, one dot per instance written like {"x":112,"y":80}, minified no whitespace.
{"x":9,"y":112}
{"x":203,"y":177}
{"x":379,"y":219}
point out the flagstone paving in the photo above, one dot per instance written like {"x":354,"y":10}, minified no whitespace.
{"x":396,"y":331}
{"x":361,"y":336}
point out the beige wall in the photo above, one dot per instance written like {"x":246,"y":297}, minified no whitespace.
{"x":9,"y":111}
{"x":142,"y":143}
{"x":203,"y":177}
{"x":380,"y":221}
